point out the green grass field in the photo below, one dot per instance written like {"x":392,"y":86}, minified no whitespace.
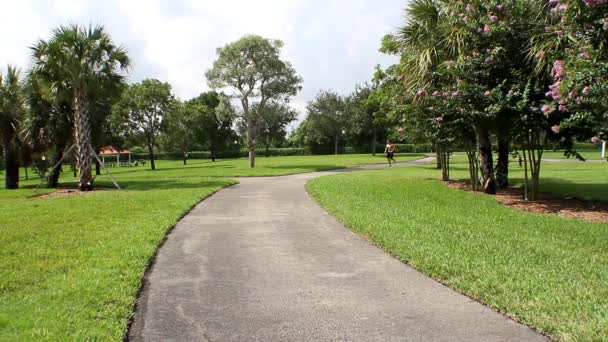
{"x":584,"y":180}
{"x":546,"y":271}
{"x":271,"y":166}
{"x":70,"y":267}
{"x":588,"y":155}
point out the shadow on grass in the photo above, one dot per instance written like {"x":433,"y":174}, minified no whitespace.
{"x":149,"y":184}
{"x":312,"y":168}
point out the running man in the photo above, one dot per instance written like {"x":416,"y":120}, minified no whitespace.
{"x":390,"y":152}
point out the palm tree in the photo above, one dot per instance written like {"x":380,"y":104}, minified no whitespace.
{"x":47,"y":125}
{"x":11,"y":113}
{"x":72,"y":62}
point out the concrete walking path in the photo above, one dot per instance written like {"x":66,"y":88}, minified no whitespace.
{"x":261,"y":261}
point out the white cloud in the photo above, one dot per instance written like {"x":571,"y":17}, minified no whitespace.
{"x":332,"y":44}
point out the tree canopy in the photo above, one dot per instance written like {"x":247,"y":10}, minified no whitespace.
{"x":251,"y":69}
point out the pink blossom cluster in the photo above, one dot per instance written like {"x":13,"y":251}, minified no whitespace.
{"x":595,"y":139}
{"x":594,"y":3}
{"x":558,"y":71}
{"x":555,"y":129}
{"x":447,"y":93}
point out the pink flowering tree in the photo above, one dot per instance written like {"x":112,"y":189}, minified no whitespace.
{"x":573,"y":48}
{"x":491,"y":66}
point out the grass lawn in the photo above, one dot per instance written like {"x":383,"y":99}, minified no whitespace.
{"x":546,"y":271}
{"x":584,"y":180}
{"x":589,"y":155}
{"x":70,"y":267}
{"x":271,"y":166}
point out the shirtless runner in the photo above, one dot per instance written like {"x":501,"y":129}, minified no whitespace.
{"x":390,"y":152}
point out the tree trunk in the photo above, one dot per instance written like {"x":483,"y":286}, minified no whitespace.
{"x":502,"y":165}
{"x":11,"y":162}
{"x":97,"y":168}
{"x":251,"y":143}
{"x":487,"y":164}
{"x":53,"y":177}
{"x":438,"y":165}
{"x":185,"y":157}
{"x":267,"y":146}
{"x":83,"y":138}
{"x":336,"y":146}
{"x":212,"y":153}
{"x":151,"y":154}
{"x":374,"y":138}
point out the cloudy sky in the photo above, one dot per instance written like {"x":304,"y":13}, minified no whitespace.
{"x":333,"y":44}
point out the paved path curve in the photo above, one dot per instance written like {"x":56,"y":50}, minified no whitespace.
{"x":261,"y":261}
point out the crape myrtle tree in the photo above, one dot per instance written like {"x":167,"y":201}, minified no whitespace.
{"x":473,"y":54}
{"x":252,"y":70}
{"x":75,"y":58}
{"x":141,"y":109}
{"x":12,"y":110}
{"x":573,"y":48}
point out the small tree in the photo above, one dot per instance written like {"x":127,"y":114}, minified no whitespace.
{"x":250,"y":69}
{"x":178,"y":127}
{"x":141,"y":109}
{"x":272,"y":121}
{"x":213,"y":125}
{"x":327,"y":114}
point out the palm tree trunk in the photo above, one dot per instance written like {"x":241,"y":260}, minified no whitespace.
{"x":487,"y":164}
{"x":53,"y":177}
{"x":83,"y":138}
{"x":11,"y":162}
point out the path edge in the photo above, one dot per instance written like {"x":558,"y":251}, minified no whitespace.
{"x":409,"y":264}
{"x":144,"y":281}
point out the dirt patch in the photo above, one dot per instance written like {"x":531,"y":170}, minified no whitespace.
{"x":546,"y":204}
{"x":69,"y":192}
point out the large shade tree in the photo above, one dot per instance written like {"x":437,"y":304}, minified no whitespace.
{"x":141,"y":109}
{"x":73,"y":60}
{"x":328,"y":115}
{"x":11,"y":114}
{"x":251,"y":70}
